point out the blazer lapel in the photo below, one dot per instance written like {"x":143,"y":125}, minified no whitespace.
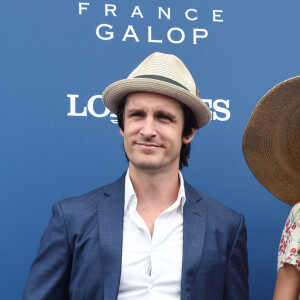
{"x":110,"y":218}
{"x":194,"y":223}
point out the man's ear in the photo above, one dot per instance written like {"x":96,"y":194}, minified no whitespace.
{"x":121,"y":132}
{"x":187,"y":140}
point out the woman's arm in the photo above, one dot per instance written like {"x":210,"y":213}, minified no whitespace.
{"x":287,"y":284}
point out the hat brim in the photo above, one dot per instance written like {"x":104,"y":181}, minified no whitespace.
{"x":271,"y":141}
{"x":115,"y":92}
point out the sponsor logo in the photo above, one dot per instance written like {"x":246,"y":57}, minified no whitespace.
{"x":188,"y":29}
{"x":94,"y":107}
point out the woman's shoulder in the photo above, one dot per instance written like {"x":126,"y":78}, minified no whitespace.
{"x":296,"y":207}
{"x":295,"y":213}
{"x":289,"y":248}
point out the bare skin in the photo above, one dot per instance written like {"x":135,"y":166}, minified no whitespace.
{"x":155,"y":193}
{"x":153,"y":126}
{"x":287,"y":284}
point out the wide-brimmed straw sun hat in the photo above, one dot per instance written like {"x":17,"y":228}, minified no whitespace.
{"x":163,"y":74}
{"x":271,"y":141}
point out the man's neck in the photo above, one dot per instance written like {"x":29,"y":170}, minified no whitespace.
{"x":156,"y":189}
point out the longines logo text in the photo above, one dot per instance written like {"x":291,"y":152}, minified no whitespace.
{"x":137,"y":32}
{"x":95,"y":107}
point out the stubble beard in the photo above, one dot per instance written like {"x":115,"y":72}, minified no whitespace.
{"x":150,"y":165}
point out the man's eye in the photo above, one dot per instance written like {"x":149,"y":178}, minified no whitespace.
{"x":164,"y":117}
{"x":136,"y":114}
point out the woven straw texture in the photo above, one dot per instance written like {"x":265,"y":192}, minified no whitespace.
{"x":166,"y":66}
{"x":271,"y":141}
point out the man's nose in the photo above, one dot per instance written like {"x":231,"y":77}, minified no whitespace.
{"x":148,"y":128}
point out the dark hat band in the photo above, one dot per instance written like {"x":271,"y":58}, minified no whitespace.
{"x":162,"y":78}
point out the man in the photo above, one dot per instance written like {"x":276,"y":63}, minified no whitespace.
{"x":149,"y":235}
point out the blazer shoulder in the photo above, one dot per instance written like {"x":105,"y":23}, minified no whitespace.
{"x":89,"y":201}
{"x":214,"y":207}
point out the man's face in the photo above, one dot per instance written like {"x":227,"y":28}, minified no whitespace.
{"x":153,"y":126}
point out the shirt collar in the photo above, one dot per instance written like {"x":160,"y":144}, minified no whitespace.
{"x":130,"y":195}
{"x":131,"y":200}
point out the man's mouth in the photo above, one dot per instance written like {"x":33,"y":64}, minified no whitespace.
{"x":146,"y":145}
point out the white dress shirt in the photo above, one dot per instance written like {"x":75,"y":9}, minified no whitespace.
{"x":151,"y":267}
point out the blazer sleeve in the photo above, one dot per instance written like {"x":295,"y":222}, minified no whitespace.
{"x":236,"y":285}
{"x":50,"y":272}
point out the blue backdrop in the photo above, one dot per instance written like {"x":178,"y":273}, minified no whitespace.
{"x":57,"y":139}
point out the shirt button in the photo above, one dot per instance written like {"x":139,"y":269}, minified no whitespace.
{"x":150,"y":288}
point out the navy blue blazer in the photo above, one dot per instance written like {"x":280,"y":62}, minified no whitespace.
{"x":81,"y":250}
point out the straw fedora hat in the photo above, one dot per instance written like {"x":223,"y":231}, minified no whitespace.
{"x":163,"y":74}
{"x":271,"y":141}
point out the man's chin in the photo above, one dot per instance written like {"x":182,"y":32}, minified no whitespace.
{"x":146,"y":164}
